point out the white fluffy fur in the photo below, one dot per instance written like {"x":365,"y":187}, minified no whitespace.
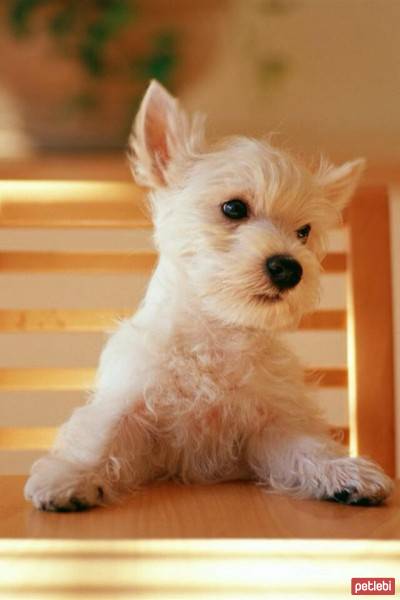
{"x":197,"y":385}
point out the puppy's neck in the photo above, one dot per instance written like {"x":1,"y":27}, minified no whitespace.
{"x":172,"y":307}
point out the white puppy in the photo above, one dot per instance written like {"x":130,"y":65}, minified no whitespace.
{"x":197,"y":385}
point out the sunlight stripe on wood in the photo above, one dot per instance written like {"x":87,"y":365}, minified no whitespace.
{"x":93,"y":262}
{"x":35,"y":438}
{"x":86,"y":320}
{"x":97,"y":262}
{"x":70,"y":379}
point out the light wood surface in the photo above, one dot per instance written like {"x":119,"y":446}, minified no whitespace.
{"x":371,"y":329}
{"x":169,"y":541}
{"x":228,"y":510}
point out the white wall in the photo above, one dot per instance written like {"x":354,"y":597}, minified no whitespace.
{"x":340,"y":92}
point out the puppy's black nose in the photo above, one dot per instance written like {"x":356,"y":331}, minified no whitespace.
{"x":284,"y":271}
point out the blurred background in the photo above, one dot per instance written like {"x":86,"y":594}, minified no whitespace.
{"x":324,"y":75}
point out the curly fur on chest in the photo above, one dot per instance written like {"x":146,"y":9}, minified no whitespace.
{"x":201,"y":401}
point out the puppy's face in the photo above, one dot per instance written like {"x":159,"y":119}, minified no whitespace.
{"x":245,"y":221}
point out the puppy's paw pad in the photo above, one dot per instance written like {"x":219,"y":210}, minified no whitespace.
{"x":72,"y":504}
{"x":62,"y":500}
{"x":352,"y":497}
{"x":358,"y":481}
{"x":57,"y":486}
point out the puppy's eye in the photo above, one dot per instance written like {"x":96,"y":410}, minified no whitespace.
{"x":235,"y":209}
{"x":303,"y":233}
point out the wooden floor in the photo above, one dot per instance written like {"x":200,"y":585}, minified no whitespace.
{"x":229,"y":510}
{"x":197,"y":542}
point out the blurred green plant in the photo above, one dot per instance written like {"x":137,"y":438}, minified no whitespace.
{"x":271,"y":70}
{"x":85,"y":30}
{"x":274,"y":68}
{"x":277,"y":7}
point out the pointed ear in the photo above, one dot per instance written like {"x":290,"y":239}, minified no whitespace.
{"x":339,"y":183}
{"x":160,"y":137}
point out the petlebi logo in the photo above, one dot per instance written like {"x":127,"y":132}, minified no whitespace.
{"x":373,"y":586}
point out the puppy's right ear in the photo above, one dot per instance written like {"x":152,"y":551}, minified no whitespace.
{"x":339,"y":183}
{"x":161,"y":138}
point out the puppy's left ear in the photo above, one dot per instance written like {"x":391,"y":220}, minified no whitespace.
{"x":162,"y":138}
{"x":339,"y":183}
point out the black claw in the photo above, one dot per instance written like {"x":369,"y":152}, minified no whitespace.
{"x":349,"y":496}
{"x":78,"y":504}
{"x":343,"y":496}
{"x":365,"y":502}
{"x":58,"y":508}
{"x":100,"y":493}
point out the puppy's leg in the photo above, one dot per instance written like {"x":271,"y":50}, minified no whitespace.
{"x":311,"y":466}
{"x":104,"y":447}
{"x":96,"y":455}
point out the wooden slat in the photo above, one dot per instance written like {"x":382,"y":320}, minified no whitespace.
{"x":322,"y":319}
{"x":97,"y":262}
{"x":98,"y":166}
{"x":25,"y":261}
{"x":80,"y":320}
{"x":72,"y":204}
{"x":335,"y":262}
{"x":80,"y":379}
{"x":327,"y":377}
{"x":371,"y":330}
{"x":51,"y":379}
{"x":76,"y":223}
{"x":26,"y":438}
{"x":77,"y":202}
{"x":35,"y":438}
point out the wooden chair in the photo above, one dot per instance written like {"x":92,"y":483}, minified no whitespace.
{"x":118,"y":205}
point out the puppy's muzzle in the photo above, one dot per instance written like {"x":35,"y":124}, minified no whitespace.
{"x":284,"y":271}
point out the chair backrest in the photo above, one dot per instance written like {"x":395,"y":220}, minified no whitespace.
{"x":75,"y":256}
{"x":370,"y":328}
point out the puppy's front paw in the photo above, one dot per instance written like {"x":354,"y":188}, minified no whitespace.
{"x":58,"y":485}
{"x":358,"y":481}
